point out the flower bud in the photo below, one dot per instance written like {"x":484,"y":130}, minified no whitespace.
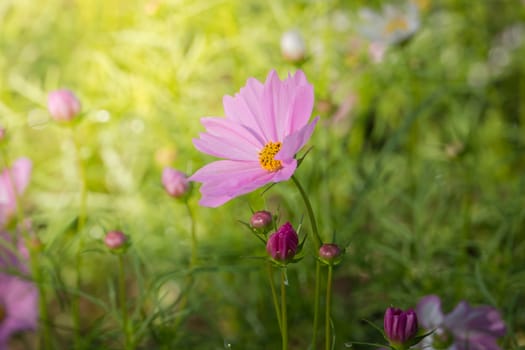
{"x":116,"y":240}
{"x":329,"y":253}
{"x":400,"y":326}
{"x":282,"y":245}
{"x":2,"y":133}
{"x":175,"y":182}
{"x":63,"y":105}
{"x":261,"y":220}
{"x":292,"y":46}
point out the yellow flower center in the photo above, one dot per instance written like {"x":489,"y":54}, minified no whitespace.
{"x":395,"y":24}
{"x":267,"y":154}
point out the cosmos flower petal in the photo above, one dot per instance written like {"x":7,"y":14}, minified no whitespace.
{"x":429,"y":312}
{"x":286,"y":171}
{"x":228,"y":179}
{"x":245,"y":108}
{"x":229,"y":129}
{"x":294,"y":142}
{"x":287,"y":104}
{"x":224,"y":148}
{"x":301,"y":109}
{"x":222,"y":169}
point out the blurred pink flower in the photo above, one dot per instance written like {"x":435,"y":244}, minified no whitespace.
{"x":18,"y":296}
{"x":63,"y":105}
{"x":265,"y":126}
{"x":466,"y":327}
{"x":15,"y":178}
{"x":175,"y":182}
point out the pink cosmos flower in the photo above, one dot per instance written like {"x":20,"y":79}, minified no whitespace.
{"x":465,"y":328}
{"x":265,"y":126}
{"x":63,"y":105}
{"x":10,"y":179}
{"x":18,"y":296}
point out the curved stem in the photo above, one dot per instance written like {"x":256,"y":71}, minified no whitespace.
{"x":193,"y":231}
{"x":274,"y":296}
{"x":317,"y":243}
{"x":284,"y":324}
{"x":328,"y":307}
{"x":311,"y":215}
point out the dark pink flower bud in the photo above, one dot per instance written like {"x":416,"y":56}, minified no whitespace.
{"x":282,"y":245}
{"x":329,"y":252}
{"x":175,"y":182}
{"x":2,"y":133}
{"x":400,"y":326}
{"x":261,"y":219}
{"x":116,"y":240}
{"x":63,"y":105}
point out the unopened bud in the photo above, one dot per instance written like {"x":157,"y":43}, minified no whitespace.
{"x":400,"y":326}
{"x":282,"y":245}
{"x":175,"y":182}
{"x":261,"y":220}
{"x":330,"y":253}
{"x":116,"y":240}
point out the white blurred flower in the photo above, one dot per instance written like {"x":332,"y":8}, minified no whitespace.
{"x":390,"y":26}
{"x":293,"y":47}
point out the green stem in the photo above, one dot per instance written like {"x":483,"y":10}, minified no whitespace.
{"x":317,"y":242}
{"x":42,"y":302}
{"x":328,"y":307}
{"x":183,"y":300}
{"x":316,"y":301}
{"x":311,"y":215}
{"x":193,"y":231}
{"x":128,"y":342}
{"x":80,"y":227}
{"x":274,"y":296}
{"x":284,"y":324}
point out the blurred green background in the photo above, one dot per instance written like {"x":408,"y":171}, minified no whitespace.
{"x":417,"y":164}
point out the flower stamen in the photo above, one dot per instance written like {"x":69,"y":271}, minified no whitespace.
{"x":267,"y":154}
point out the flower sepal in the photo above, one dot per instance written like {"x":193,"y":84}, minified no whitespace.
{"x":409,"y":343}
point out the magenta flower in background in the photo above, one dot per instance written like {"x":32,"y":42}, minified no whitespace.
{"x":63,"y":105}
{"x":282,"y":245}
{"x":265,"y":126}
{"x":18,"y":296}
{"x":13,"y":183}
{"x":466,"y":327}
{"x":175,"y":182}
